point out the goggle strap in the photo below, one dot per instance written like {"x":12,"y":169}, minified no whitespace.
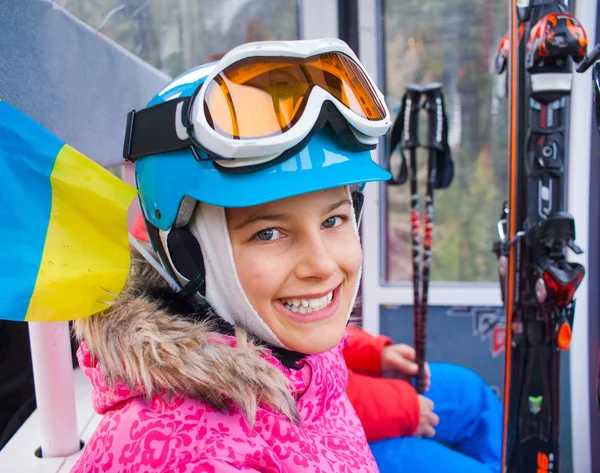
{"x":158,"y":129}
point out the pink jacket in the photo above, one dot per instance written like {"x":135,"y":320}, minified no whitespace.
{"x":228,"y":381}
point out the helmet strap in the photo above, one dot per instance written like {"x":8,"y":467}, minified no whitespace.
{"x":181,"y":256}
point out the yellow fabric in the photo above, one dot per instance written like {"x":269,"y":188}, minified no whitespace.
{"x":86,"y":254}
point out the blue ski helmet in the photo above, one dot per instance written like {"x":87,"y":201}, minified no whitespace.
{"x":165,"y":179}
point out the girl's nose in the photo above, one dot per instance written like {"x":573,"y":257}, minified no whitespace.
{"x":316,"y":259}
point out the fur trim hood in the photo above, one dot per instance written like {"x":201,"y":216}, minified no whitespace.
{"x":156,"y":342}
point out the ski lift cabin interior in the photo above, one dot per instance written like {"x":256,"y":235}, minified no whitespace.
{"x":78,"y":67}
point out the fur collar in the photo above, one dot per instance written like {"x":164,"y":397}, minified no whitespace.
{"x":156,"y":341}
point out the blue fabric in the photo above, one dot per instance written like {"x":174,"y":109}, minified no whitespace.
{"x":468,"y":438}
{"x":27,"y":156}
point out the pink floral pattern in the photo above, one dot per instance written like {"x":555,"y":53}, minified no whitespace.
{"x":187,"y":436}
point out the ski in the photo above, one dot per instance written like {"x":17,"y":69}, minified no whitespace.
{"x":592,"y":59}
{"x":538,"y":282}
{"x":440,"y":172}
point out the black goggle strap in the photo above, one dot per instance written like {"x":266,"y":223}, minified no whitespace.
{"x":158,"y":129}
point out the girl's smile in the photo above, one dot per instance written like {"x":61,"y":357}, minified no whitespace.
{"x":311,"y":308}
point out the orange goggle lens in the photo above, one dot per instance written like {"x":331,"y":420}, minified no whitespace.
{"x":265,"y":96}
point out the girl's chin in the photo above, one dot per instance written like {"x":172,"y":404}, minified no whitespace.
{"x":315,"y":343}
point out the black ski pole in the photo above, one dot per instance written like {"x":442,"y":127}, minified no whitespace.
{"x":596,"y":79}
{"x":440,"y":173}
{"x":589,"y":60}
{"x":434,"y":107}
{"x":410,"y":142}
{"x":596,"y":82}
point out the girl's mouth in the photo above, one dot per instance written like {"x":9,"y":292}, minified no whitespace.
{"x":311,"y":309}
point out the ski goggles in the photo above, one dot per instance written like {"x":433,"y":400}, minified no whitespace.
{"x":262,"y":100}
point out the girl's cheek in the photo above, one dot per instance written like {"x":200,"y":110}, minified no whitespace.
{"x":356,"y":258}
{"x":257,"y":273}
{"x":351,"y":254}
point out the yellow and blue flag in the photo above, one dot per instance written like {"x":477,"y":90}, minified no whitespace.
{"x":64,"y":251}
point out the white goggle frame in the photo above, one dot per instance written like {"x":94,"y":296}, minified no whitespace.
{"x":248,"y":152}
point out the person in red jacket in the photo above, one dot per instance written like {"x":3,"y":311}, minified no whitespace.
{"x":457,"y":424}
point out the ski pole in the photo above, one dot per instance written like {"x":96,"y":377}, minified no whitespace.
{"x":588,"y":61}
{"x":434,"y":107}
{"x":596,"y":77}
{"x":411,"y":143}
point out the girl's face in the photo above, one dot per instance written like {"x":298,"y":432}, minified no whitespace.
{"x":298,"y":261}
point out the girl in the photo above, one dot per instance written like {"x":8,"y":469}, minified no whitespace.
{"x":247,"y":172}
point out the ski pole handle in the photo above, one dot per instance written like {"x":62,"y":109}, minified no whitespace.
{"x":410,"y":134}
{"x":589,"y":59}
{"x":435,"y":115}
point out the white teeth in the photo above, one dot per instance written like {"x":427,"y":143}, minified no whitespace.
{"x":306,"y":306}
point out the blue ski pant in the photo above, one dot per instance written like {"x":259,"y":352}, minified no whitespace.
{"x":468,"y":438}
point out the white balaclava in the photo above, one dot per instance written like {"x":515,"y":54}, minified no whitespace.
{"x":223,"y":288}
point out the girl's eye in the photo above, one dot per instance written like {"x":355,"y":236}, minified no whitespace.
{"x":333,"y":221}
{"x":268,"y":234}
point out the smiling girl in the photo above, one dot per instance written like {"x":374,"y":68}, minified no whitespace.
{"x":249,"y":173}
